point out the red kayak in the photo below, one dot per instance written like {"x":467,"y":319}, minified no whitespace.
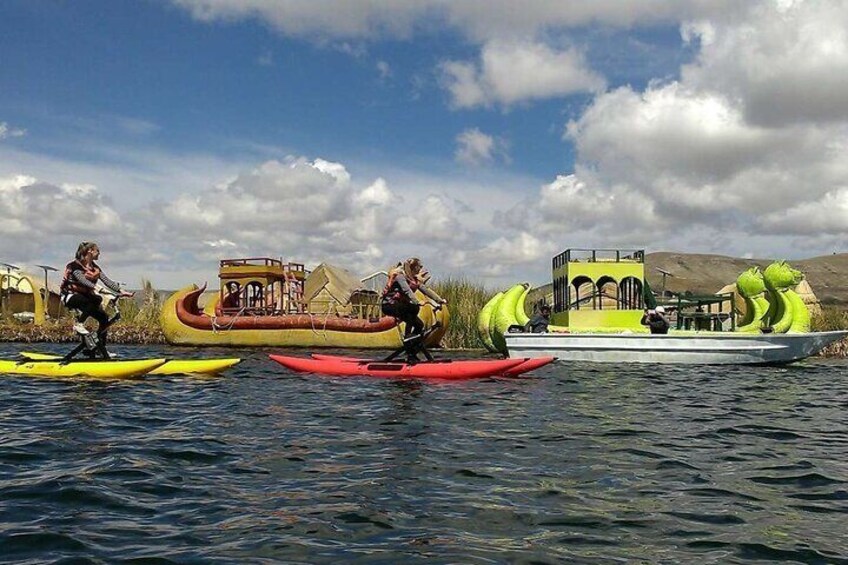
{"x":526,"y":366}
{"x":447,"y":369}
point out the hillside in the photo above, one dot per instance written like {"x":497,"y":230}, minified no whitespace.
{"x":827,"y":275}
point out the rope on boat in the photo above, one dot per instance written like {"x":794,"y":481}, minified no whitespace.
{"x":323,"y":332}
{"x":227,"y":327}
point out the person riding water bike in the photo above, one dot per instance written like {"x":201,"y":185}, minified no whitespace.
{"x":399,"y":298}
{"x":79,"y":288}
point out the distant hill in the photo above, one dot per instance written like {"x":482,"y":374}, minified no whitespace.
{"x":827,"y":275}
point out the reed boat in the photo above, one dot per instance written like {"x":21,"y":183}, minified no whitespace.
{"x":263,"y":302}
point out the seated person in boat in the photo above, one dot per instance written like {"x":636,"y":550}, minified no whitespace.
{"x":656,"y":320}
{"x":538,"y":324}
{"x":80,"y":285}
{"x":232,"y":298}
{"x":399,"y":300}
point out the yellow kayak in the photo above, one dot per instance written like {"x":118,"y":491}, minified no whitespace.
{"x":84,"y":368}
{"x":177,"y":367}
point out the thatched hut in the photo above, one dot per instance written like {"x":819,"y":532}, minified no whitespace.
{"x":333,"y":290}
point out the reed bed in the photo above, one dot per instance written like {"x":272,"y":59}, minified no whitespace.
{"x":139,"y":324}
{"x":143,"y":313}
{"x":829,"y":319}
{"x":465,"y":300}
{"x":60,"y":331}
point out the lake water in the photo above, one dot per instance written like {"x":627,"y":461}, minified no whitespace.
{"x":574,"y":463}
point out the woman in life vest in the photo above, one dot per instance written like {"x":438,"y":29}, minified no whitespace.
{"x":79,"y":286}
{"x":399,"y":295}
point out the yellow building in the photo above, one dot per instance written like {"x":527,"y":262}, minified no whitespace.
{"x":595,"y":288}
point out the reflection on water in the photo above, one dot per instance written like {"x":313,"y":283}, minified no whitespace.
{"x":579,"y":463}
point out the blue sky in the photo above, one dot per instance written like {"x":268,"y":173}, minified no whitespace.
{"x":168,"y":80}
{"x":482,"y":136}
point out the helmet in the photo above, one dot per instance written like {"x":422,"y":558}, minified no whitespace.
{"x":660,"y":310}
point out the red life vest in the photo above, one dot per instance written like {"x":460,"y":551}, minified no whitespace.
{"x":71,"y":286}
{"x":393,"y":293}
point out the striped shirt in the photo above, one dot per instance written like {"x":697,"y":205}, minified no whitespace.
{"x":78,"y":276}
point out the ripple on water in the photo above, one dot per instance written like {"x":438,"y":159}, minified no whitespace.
{"x":581,"y":463}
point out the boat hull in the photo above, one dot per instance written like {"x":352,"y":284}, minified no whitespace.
{"x":93,"y":369}
{"x":440,"y":370}
{"x":196,"y":366}
{"x":530,"y":364}
{"x":683,"y":349}
{"x":184,"y":323}
{"x":172,"y":367}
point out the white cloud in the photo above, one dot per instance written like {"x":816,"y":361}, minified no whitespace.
{"x":690,"y":149}
{"x":433,"y":219}
{"x":475,"y":147}
{"x":377,"y":194}
{"x":502,"y":256}
{"x":8,"y":131}
{"x":36,"y":213}
{"x":744,"y":152}
{"x":827,"y":215}
{"x":335,"y":170}
{"x":307,"y":210}
{"x":221,"y":244}
{"x":355,"y":49}
{"x":510,"y":72}
{"x":569,"y":203}
{"x":384,"y":70}
{"x":785,"y":63}
{"x":490,"y":19}
{"x":462,"y":81}
{"x":480,"y":20}
{"x":187,"y":211}
{"x":337,"y":19}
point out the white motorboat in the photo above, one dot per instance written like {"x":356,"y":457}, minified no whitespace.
{"x":692,"y":348}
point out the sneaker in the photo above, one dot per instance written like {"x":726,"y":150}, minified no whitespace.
{"x":80,"y":328}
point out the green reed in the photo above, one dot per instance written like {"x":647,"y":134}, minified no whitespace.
{"x":829,"y":319}
{"x":465,"y":300}
{"x":139,"y":323}
{"x":144,"y":310}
